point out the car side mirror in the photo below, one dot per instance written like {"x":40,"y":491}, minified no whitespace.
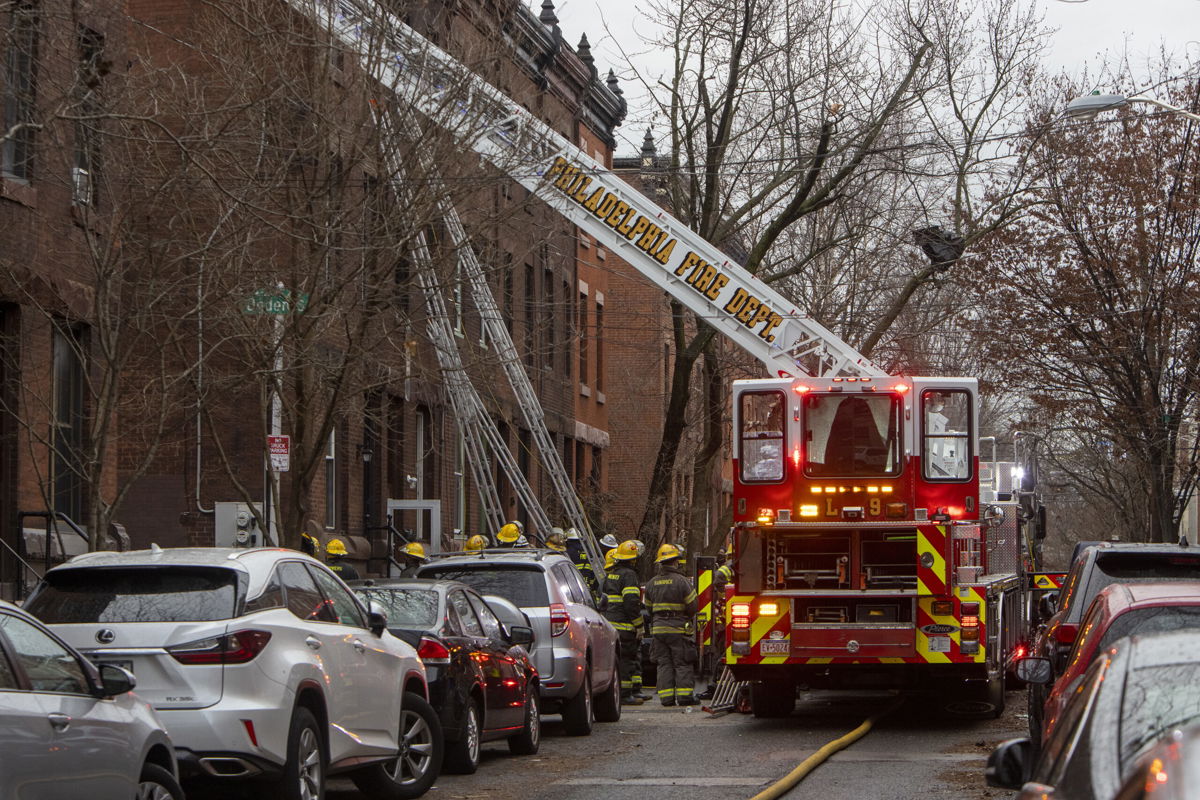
{"x":521,"y":634}
{"x":1035,"y":670}
{"x":1010,"y":765}
{"x":115,"y":680}
{"x":376,"y":618}
{"x":1047,"y":605}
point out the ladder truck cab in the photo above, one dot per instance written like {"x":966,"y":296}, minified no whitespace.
{"x":862,"y":557}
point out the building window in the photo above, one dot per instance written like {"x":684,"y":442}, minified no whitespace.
{"x":599,"y":345}
{"x":68,"y":421}
{"x":331,"y":481}
{"x":577,"y":476}
{"x":507,"y":293}
{"x":530,"y":316}
{"x":86,"y":168}
{"x":597,"y":470}
{"x":581,"y":333}
{"x":550,"y":320}
{"x":20,"y":91}
{"x":426,"y":462}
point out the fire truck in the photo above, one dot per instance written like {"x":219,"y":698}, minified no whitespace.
{"x":863,"y":556}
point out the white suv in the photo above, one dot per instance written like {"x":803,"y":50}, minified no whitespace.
{"x":261,"y":664}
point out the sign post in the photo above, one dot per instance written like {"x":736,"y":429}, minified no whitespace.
{"x":280,"y":449}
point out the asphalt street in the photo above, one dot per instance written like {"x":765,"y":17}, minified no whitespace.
{"x":656,"y":752}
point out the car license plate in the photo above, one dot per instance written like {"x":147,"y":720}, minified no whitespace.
{"x":775,"y":647}
{"x":124,"y":664}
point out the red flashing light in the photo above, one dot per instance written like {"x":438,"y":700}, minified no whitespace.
{"x":800,"y":388}
{"x":796,"y":456}
{"x":900,"y":388}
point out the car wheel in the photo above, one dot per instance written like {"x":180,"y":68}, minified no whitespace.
{"x":577,"y":712}
{"x":608,"y":702}
{"x":772,"y":699}
{"x":304,"y":773}
{"x":462,"y":757}
{"x":420,"y":760}
{"x":526,"y":742}
{"x":157,"y":783}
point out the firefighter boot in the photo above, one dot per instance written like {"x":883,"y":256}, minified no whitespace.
{"x":628,"y":698}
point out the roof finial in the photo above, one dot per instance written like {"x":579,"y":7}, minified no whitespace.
{"x":585,"y":53}
{"x":612,"y":83}
{"x":648,"y":148}
{"x":548,"y":16}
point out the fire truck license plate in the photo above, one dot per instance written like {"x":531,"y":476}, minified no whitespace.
{"x":775,"y":647}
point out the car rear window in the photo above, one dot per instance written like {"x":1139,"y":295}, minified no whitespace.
{"x":406,"y":608}
{"x":519,"y":584}
{"x":136,"y":594}
{"x":1157,"y":699}
{"x":1150,"y":620}
{"x":1113,"y":568}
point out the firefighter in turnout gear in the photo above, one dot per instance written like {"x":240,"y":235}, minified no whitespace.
{"x":414,"y":556}
{"x":476,"y":544}
{"x":579,"y":557}
{"x":671,"y":600}
{"x":510,"y":534}
{"x":335,"y":550}
{"x":624,"y":611}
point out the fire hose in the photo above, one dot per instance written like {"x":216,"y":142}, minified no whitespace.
{"x":789,"y":781}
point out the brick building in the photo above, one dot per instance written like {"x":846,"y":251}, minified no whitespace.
{"x":176,"y":466}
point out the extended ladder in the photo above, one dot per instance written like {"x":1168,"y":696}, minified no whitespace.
{"x":695,"y":273}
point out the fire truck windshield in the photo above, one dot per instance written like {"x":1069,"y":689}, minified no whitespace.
{"x":852,"y":435}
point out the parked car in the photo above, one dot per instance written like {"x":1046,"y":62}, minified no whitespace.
{"x":574,"y":648}
{"x":261,"y":663}
{"x":69,"y":729}
{"x":481,"y":680}
{"x":1133,"y":694}
{"x":1120,"y":610}
{"x":1094,"y":568}
{"x":1170,"y":770}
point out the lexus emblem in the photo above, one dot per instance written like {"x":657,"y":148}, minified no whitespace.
{"x":105,"y":635}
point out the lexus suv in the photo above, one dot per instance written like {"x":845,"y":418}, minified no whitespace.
{"x":574,"y":648}
{"x":260,"y":663}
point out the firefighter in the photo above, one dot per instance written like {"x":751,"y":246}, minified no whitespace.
{"x":624,"y":611}
{"x":476,"y":544}
{"x":578,"y":555}
{"x":557,"y":540}
{"x":609,"y":542}
{"x":414,"y":556}
{"x":309,"y":545}
{"x":671,"y":600}
{"x":335,"y":552}
{"x":510,"y":534}
{"x":722,"y":576}
{"x":724,"y":572}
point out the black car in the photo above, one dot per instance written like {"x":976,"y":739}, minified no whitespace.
{"x":1143,"y":688}
{"x":480,"y":678}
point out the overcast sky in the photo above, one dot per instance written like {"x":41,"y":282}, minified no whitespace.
{"x":1085,"y":31}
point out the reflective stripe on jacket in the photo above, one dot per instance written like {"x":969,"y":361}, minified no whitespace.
{"x":624,"y":598}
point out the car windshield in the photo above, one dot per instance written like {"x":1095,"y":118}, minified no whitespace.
{"x":520,"y":584}
{"x":406,"y":608}
{"x":1157,"y":699}
{"x":136,"y":594}
{"x":1129,"y":567}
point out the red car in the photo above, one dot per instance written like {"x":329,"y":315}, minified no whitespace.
{"x":1120,"y":610}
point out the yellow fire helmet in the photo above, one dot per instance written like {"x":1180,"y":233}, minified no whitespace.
{"x":335,"y":547}
{"x":608,"y":558}
{"x":416,"y":550}
{"x":510,"y":532}
{"x":475,"y":544}
{"x":668,"y":552}
{"x":556,"y":541}
{"x":625,"y":551}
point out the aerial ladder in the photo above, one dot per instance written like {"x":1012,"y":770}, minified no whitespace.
{"x":421,"y":78}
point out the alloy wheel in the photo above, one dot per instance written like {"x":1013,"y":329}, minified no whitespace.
{"x":416,"y":750}
{"x":309,"y":753}
{"x":153,"y":790}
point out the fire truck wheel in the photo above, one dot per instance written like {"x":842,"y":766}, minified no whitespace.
{"x":772,"y":699}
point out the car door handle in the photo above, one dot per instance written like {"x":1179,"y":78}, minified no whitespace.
{"x":358,"y":645}
{"x":60,"y":722}
{"x":313,"y":642}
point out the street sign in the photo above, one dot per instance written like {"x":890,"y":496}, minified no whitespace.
{"x":280,"y":449}
{"x":277,"y":301}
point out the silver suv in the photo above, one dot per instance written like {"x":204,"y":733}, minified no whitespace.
{"x":574,"y":648}
{"x":260,"y":662}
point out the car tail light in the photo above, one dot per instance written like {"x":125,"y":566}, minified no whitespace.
{"x":560,"y":620}
{"x":232,"y":648}
{"x":433,"y":651}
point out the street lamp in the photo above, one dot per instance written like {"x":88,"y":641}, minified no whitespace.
{"x":1090,"y":105}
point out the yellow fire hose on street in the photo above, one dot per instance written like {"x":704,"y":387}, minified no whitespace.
{"x":789,"y":781}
